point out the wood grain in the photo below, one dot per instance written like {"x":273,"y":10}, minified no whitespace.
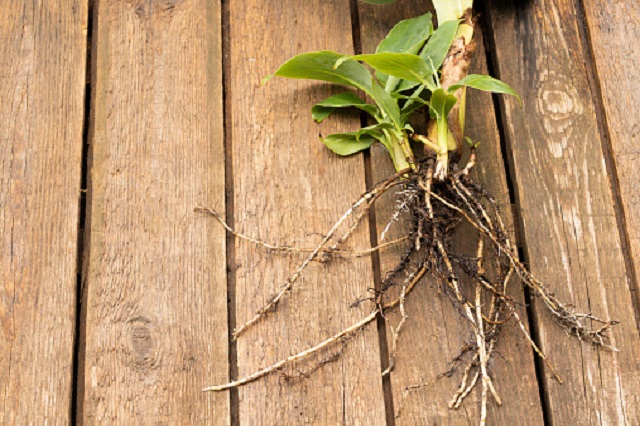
{"x":156,"y":330}
{"x":435,"y":332}
{"x":288,"y":189}
{"x":41,"y":116}
{"x":614,"y":27}
{"x":566,"y":206}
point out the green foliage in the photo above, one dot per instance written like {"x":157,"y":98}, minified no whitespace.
{"x":409,"y":58}
{"x":323,"y":109}
{"x":485,"y":83}
{"x":387,"y":104}
{"x":407,"y":36}
{"x":441,"y":104}
{"x":321,"y":66}
{"x":471,"y":143}
{"x":348,"y":143}
{"x":449,"y":10}
{"x":435,"y":50}
{"x":400,"y":65}
{"x":376,"y":131}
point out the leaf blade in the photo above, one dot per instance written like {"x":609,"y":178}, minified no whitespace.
{"x":441,"y":103}
{"x":320,"y":113}
{"x":447,"y":10}
{"x":323,"y":109}
{"x":485,"y":83}
{"x":400,"y":65}
{"x":438,"y":45}
{"x":407,"y":36}
{"x":387,"y":104}
{"x":374,"y":130}
{"x":320,"y":66}
{"x":346,"y":143}
{"x":435,"y":50}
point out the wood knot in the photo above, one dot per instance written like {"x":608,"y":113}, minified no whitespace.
{"x":559,"y":105}
{"x":169,"y":5}
{"x":145,"y":9}
{"x":142,"y":343}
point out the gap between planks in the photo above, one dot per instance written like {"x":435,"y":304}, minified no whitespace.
{"x":77,"y":390}
{"x":227,"y":106}
{"x":373,"y":238}
{"x":607,"y":151}
{"x":521,"y":243}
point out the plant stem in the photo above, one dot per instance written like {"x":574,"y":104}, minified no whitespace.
{"x":454,"y":68}
{"x":442,"y":164}
{"x":400,"y":150}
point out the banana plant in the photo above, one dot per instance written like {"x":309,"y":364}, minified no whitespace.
{"x":408,"y":75}
{"x":454,"y":69}
{"x":415,"y":67}
{"x":449,"y":138}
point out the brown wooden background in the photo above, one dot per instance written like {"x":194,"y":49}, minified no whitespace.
{"x":118,"y":117}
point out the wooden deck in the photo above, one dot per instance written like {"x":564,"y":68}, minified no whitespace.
{"x":117,"y":118}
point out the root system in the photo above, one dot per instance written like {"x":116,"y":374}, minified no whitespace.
{"x":435,"y":209}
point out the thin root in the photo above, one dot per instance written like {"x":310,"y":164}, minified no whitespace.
{"x":457,"y":198}
{"x":300,"y":355}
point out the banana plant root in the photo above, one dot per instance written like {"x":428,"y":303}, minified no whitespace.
{"x":477,"y":285}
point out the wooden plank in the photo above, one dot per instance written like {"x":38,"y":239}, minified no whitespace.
{"x":42,"y":76}
{"x":156,"y":330}
{"x":435,"y":331}
{"x":565,"y":200}
{"x":614,"y":27}
{"x":288,"y":188}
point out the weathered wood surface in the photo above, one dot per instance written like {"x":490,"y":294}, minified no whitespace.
{"x":434,"y":334}
{"x":41,"y":126}
{"x":614,"y":27}
{"x":154,"y":329}
{"x":288,"y":189}
{"x":156,"y":322}
{"x":566,"y":208}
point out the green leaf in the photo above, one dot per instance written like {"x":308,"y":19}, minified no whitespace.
{"x":449,"y":10}
{"x":435,"y":50}
{"x":407,"y":36}
{"x":401,"y":65}
{"x":323,"y":109}
{"x":374,"y":131}
{"x":347,"y":143}
{"x":485,"y":83}
{"x":417,"y":99}
{"x":438,"y":45}
{"x":319,"y":113}
{"x":387,"y":104}
{"x":471,"y":143}
{"x":408,"y":111}
{"x":320,"y":66}
{"x":413,"y":103}
{"x":441,"y":103}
